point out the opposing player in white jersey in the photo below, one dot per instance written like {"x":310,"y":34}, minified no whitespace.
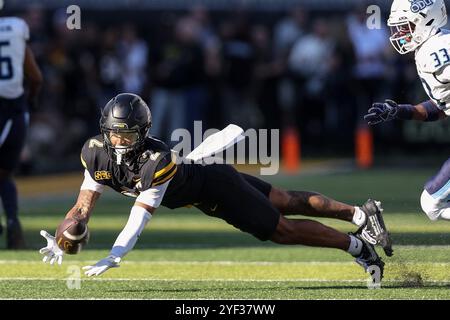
{"x":17,"y":64}
{"x":416,"y":27}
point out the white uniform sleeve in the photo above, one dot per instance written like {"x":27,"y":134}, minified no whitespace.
{"x":443,"y":75}
{"x":139,"y":217}
{"x":433,"y":67}
{"x":153,"y":196}
{"x":26,"y":31}
{"x":91,"y":184}
{"x":443,"y":88}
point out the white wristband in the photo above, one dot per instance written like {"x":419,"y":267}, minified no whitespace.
{"x":139,"y":217}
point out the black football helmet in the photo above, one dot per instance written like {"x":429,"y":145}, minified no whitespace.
{"x":126,"y":115}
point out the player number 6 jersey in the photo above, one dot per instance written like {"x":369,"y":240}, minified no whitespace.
{"x":14,"y":34}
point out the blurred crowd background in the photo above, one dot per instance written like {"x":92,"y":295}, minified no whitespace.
{"x":315,"y":70}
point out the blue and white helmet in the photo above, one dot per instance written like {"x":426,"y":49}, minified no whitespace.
{"x":413,"y":22}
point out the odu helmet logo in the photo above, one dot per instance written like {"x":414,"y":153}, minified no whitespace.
{"x":419,"y":5}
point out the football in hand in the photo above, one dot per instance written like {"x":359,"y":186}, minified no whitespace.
{"x":72,"y":235}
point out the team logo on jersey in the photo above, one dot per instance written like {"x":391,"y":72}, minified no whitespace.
{"x":95,"y":143}
{"x":419,"y":5}
{"x":102,"y":175}
{"x":154,"y":156}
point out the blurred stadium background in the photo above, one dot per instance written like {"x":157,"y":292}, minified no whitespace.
{"x":312,"y":66}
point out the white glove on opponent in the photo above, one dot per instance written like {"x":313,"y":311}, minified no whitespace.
{"x":103,"y":265}
{"x":51,"y":252}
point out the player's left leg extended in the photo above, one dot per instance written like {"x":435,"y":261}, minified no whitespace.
{"x":307,"y":203}
{"x":315,"y":234}
{"x":230,"y":197}
{"x":368,"y":217}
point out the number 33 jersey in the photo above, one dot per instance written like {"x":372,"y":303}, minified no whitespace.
{"x":14,"y":34}
{"x":433,"y":67}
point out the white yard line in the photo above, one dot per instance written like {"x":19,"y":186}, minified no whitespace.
{"x":219,"y":263}
{"x":209,"y":280}
{"x":171,"y":280}
{"x":169,"y":262}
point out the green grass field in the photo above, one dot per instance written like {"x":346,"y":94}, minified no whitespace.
{"x":184,"y":254}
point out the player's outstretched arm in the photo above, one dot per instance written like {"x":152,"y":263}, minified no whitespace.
{"x":139,"y":217}
{"x":90,"y":191}
{"x":389,"y":110}
{"x":141,"y":213}
{"x":428,"y":111}
{"x":84,"y":206}
{"x":88,"y":196}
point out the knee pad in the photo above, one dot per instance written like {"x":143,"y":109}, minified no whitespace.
{"x":431,"y":206}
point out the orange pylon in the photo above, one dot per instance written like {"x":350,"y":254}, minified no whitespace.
{"x":291,"y":150}
{"x":364,"y":147}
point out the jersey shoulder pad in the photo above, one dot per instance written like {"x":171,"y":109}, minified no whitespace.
{"x":434,"y":54}
{"x":160,"y":166}
{"x":156,"y":144}
{"x":17,"y":25}
{"x":165,"y":169}
{"x":23,"y":29}
{"x":92,"y":148}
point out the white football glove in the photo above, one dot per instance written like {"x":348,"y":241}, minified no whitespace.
{"x":101,"y":266}
{"x":51,"y":252}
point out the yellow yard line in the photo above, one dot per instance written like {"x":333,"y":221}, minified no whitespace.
{"x":51,"y":184}
{"x":70,"y":182}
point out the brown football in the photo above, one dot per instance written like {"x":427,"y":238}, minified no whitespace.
{"x":72,"y":235}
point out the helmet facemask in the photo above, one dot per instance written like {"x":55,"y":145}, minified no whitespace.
{"x":414,"y":22}
{"x":125,"y":123}
{"x":402,"y":37}
{"x":123,"y":145}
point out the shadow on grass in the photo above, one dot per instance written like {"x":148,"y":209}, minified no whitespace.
{"x":165,"y":239}
{"x":177,"y":239}
{"x":418,"y":238}
{"x":146,"y":290}
{"x":216,"y":239}
{"x":238,"y":289}
{"x":426,"y":286}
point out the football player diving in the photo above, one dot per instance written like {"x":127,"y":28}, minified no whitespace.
{"x":416,"y":27}
{"x":125,"y":158}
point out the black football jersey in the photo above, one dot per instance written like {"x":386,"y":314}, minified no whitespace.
{"x":156,"y":166}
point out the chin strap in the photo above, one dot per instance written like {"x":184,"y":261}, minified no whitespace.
{"x":132,"y":158}
{"x":118,"y":159}
{"x":120,"y":152}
